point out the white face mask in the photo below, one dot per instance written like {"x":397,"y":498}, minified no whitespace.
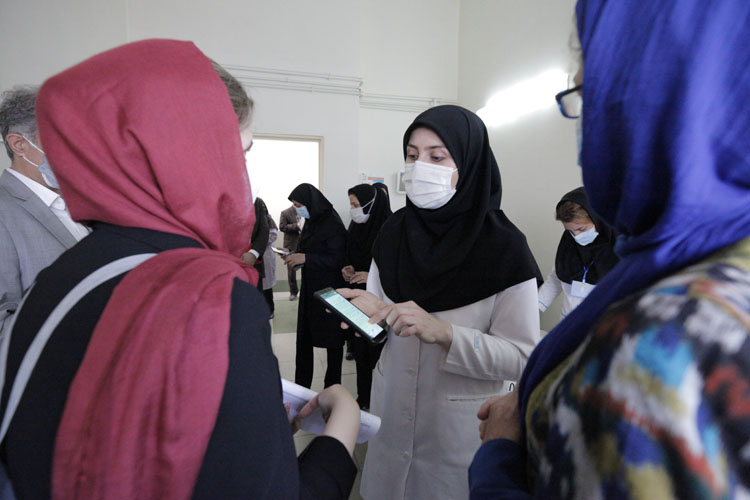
{"x":586,"y":237}
{"x":358,"y":214}
{"x":428,"y":185}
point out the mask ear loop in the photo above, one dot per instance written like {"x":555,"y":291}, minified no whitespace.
{"x":371,"y":202}
{"x":33,"y":146}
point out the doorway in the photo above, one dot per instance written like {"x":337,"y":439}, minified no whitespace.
{"x":276,"y":164}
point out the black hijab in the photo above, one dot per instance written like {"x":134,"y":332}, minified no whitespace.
{"x":323,"y":223}
{"x":572,"y":258}
{"x":466,"y":250}
{"x":362,"y":236}
{"x":382,"y":188}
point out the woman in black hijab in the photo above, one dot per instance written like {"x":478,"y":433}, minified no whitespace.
{"x":465,"y":317}
{"x":320,"y":250}
{"x":585,"y":253}
{"x":369,"y":210}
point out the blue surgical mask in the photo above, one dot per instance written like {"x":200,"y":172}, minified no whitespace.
{"x":302,"y":211}
{"x":586,"y":237}
{"x":43,"y":167}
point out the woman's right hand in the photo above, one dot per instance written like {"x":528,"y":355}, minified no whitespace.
{"x":347,"y":273}
{"x":295,"y":259}
{"x":340,"y":411}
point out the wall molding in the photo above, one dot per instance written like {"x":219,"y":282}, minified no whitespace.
{"x":278,"y":79}
{"x":394,"y":102}
{"x":327,"y":83}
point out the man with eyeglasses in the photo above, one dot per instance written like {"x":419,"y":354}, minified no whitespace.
{"x":35,"y":226}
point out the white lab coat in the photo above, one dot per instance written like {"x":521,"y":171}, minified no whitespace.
{"x":552,"y":287}
{"x":428,"y":398}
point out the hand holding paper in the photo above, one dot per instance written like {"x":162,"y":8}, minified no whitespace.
{"x":314,"y":419}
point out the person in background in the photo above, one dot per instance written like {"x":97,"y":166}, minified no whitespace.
{"x":585,"y":253}
{"x":321,"y":251}
{"x":160,"y":382}
{"x":369,"y":211}
{"x":457,"y":283}
{"x":643,"y":391}
{"x":383,"y":189}
{"x":259,"y":242}
{"x":269,"y":264}
{"x":291,"y":224}
{"x":35,"y":226}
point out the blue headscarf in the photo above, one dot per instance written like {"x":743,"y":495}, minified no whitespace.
{"x":666,"y":145}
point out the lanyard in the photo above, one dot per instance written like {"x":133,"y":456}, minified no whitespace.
{"x":586,"y":270}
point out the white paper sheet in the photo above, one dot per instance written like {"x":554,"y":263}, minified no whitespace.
{"x":298,"y":396}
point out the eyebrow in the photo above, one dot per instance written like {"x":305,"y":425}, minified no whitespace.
{"x":428,"y":148}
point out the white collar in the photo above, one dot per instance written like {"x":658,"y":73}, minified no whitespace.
{"x":44,"y":193}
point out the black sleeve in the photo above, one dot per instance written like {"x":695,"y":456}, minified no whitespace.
{"x":261,"y":228}
{"x":326,"y":470}
{"x":251,"y":451}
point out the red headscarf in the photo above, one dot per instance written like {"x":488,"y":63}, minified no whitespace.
{"x":144,"y":135}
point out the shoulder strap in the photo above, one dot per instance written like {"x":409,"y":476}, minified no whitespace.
{"x":31,"y":357}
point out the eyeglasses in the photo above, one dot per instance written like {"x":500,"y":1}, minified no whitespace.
{"x":570,"y":101}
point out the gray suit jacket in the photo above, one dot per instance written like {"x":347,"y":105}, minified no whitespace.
{"x":288,"y":225}
{"x":31,"y":238}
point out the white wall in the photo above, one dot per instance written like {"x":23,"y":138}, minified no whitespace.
{"x":355,"y":72}
{"x":296,"y":36}
{"x":410,"y":48}
{"x":501,"y":43}
{"x":40,"y":38}
{"x":361,"y":44}
{"x":380,"y":152}
{"x":409,"y":62}
{"x":333,"y":117}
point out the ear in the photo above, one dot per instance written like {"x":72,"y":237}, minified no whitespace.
{"x":17,"y":143}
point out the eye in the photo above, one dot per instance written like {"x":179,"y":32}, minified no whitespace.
{"x":437,"y":159}
{"x":411,"y":156}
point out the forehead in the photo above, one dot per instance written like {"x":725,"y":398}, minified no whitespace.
{"x":577,"y":224}
{"x":424,"y":138}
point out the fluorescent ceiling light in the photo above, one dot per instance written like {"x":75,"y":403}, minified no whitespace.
{"x":523,"y":98}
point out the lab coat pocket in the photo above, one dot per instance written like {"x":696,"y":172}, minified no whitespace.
{"x":469,"y":398}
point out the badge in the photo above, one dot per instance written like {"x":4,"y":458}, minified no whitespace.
{"x":580,"y":289}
